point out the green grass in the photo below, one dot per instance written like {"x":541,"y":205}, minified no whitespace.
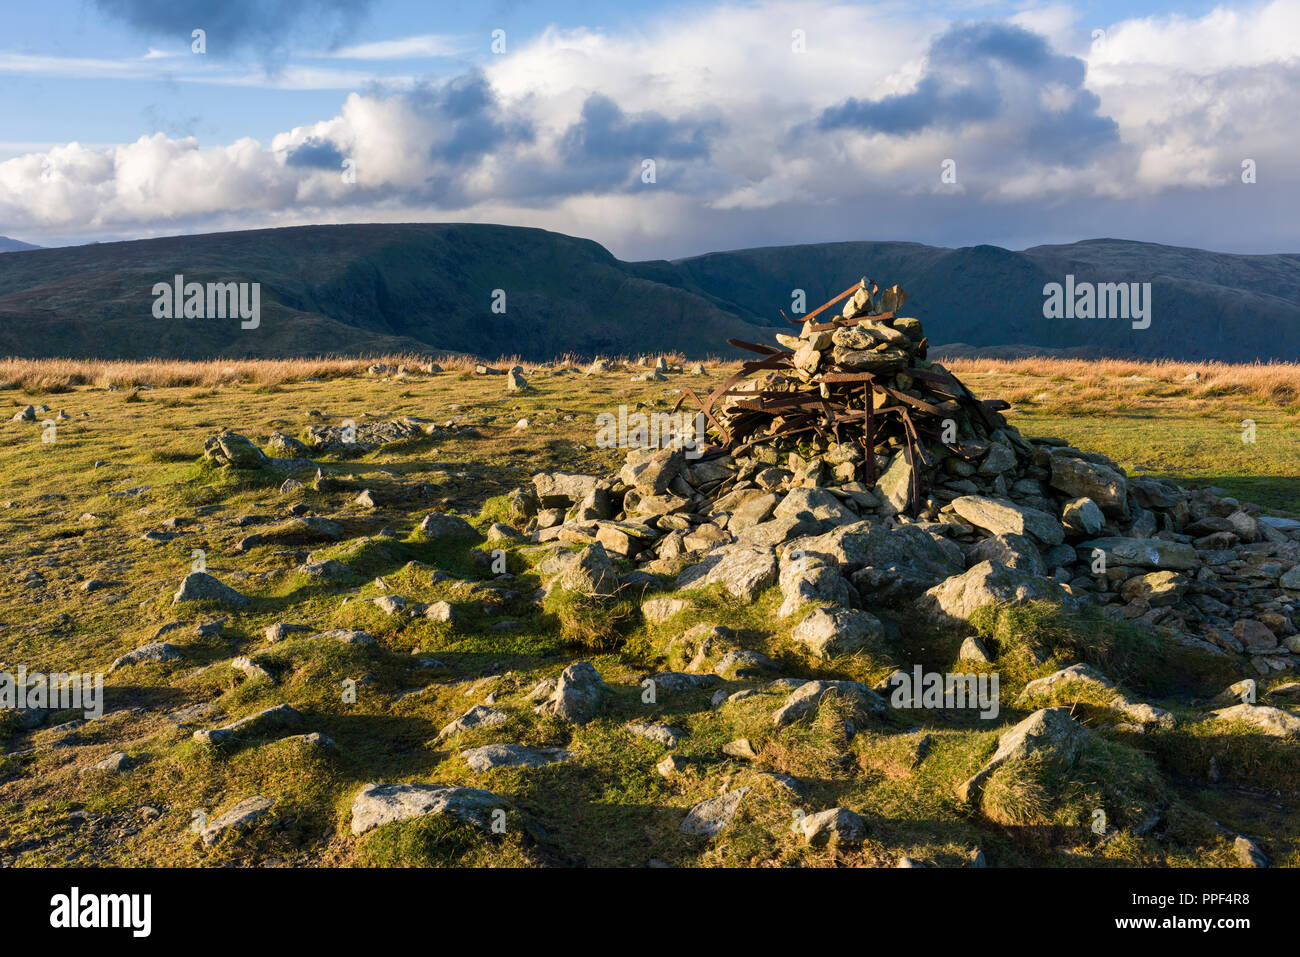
{"x":608,"y":806}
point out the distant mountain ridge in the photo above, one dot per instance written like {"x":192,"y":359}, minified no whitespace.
{"x":8,"y":245}
{"x":429,"y":287}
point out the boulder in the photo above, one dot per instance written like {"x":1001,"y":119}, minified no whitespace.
{"x":562,"y":489}
{"x":659,"y":733}
{"x":803,"y":700}
{"x":1157,"y":589}
{"x":200,"y":586}
{"x":708,"y":818}
{"x":899,"y":564}
{"x":950,"y":604}
{"x":1004,"y":518}
{"x":1272,"y":721}
{"x":1013,"y":551}
{"x":1153,"y":553}
{"x":479,"y":716}
{"x":809,"y":580}
{"x":814,"y":504}
{"x":652,"y":470}
{"x":834,"y":827}
{"x":230,"y":449}
{"x":895,"y":485}
{"x":661,"y":609}
{"x":829,"y":632}
{"x":452,"y":527}
{"x":1082,"y":517}
{"x":578,"y":694}
{"x":157,"y":651}
{"x":378,"y":804}
{"x":1050,"y":731}
{"x":742,"y":570}
{"x":238,"y":819}
{"x":591,"y":574}
{"x":276,"y":718}
{"x":492,"y":756}
{"x":1075,"y":476}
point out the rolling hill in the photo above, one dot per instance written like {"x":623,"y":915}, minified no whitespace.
{"x":425,"y":287}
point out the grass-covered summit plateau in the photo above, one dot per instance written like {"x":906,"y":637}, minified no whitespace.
{"x":356,"y":614}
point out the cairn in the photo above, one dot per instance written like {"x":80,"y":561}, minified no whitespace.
{"x":921,"y":502}
{"x":851,"y":392}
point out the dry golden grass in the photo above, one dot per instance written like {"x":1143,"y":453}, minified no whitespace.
{"x":46,"y":376}
{"x":1274,"y":382}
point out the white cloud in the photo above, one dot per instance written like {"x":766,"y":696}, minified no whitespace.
{"x":403,"y":48}
{"x":1190,"y":99}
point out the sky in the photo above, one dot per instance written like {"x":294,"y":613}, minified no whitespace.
{"x":658,"y":130}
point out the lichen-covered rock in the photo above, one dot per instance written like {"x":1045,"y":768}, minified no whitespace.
{"x":578,"y":694}
{"x":1081,"y":478}
{"x":1083,"y":517}
{"x":157,"y":651}
{"x":276,"y":718}
{"x":1050,"y":731}
{"x":378,"y":804}
{"x":804,"y":699}
{"x":479,"y":716}
{"x":235,"y":451}
{"x":1272,"y":721}
{"x":440,"y":526}
{"x":708,"y":818}
{"x":592,"y":573}
{"x":809,"y":579}
{"x":834,"y":827}
{"x":1141,"y":553}
{"x":1006,"y":518}
{"x":238,"y":819}
{"x":742,"y":570}
{"x":829,"y":632}
{"x":492,"y":756}
{"x":950,"y":604}
{"x":200,"y":586}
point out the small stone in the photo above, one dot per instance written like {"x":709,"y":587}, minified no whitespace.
{"x":440,"y":611}
{"x":839,"y":825}
{"x":236,"y":820}
{"x":708,"y":818}
{"x":671,"y":765}
{"x":115,"y":763}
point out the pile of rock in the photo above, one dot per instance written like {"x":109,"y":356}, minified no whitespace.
{"x":855,"y":390}
{"x":989,"y":515}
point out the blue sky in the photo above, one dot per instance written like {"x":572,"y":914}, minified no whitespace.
{"x":766,"y":122}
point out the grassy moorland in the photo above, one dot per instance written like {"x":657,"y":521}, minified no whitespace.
{"x":126,"y":461}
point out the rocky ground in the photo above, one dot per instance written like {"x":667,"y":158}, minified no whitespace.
{"x":418,"y":617}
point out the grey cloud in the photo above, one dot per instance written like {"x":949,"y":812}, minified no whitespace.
{"x":477,"y":124}
{"x":604,"y":132}
{"x":315,"y":154}
{"x":966,"y":70}
{"x":266,"y":27}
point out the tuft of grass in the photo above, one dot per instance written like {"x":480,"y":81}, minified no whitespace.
{"x":1035,"y":638}
{"x":588,"y":620}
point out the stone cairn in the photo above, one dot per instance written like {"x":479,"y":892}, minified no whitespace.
{"x":850,"y":392}
{"x":920,"y":502}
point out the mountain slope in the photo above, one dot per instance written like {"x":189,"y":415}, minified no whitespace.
{"x":431,"y":287}
{"x":330,"y":289}
{"x":1205,"y":305}
{"x":8,"y":245}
